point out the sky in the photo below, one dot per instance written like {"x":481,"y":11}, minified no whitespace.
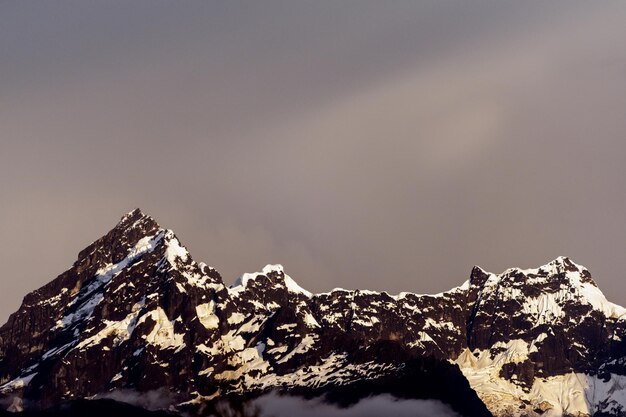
{"x":362,"y":144}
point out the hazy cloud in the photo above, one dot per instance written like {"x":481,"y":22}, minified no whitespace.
{"x":286,"y":406}
{"x":360,"y":144}
{"x":274,"y":405}
{"x":149,"y":400}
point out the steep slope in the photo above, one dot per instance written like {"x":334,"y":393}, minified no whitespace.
{"x":115,"y":312}
{"x":136,"y":312}
{"x":547,"y":340}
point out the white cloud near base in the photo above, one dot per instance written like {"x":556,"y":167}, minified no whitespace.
{"x":273,"y":405}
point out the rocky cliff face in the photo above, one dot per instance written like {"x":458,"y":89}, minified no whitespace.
{"x":136,"y":312}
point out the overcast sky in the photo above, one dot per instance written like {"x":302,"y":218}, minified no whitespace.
{"x":362,"y":144}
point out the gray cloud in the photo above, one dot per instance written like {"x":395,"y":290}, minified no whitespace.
{"x":388,"y":147}
{"x":149,"y":400}
{"x":274,"y":405}
{"x":285,"y":406}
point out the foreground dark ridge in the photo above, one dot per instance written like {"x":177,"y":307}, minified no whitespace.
{"x":93,"y":408}
{"x":136,"y":312}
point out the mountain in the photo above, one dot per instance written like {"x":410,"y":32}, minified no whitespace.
{"x":136,"y":314}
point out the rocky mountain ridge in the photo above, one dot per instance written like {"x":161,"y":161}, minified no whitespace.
{"x":136,"y":312}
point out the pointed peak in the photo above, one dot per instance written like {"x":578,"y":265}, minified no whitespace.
{"x":136,"y":224}
{"x":134,"y":216}
{"x":135,"y":212}
{"x":478,"y":270}
{"x":115,"y":245}
{"x":478,"y":276}
{"x":559,"y":265}
{"x":561,"y":269}
{"x":566,"y":264}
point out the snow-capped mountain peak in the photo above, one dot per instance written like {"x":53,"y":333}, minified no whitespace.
{"x":137,"y":312}
{"x":551,"y":289}
{"x":273,"y":273}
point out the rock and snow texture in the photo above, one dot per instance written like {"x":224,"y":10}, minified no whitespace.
{"x":136,"y":312}
{"x":547,"y":342}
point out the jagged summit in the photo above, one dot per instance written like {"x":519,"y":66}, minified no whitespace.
{"x":561,"y":271}
{"x":115,"y":245}
{"x":137,"y":312}
{"x":551,"y":293}
{"x":134,"y":215}
{"x":275,"y":276}
{"x":558,"y":265}
{"x":555,"y":270}
{"x":136,"y":219}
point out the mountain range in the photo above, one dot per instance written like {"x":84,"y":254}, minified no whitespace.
{"x":136,"y":316}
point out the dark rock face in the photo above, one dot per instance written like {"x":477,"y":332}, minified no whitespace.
{"x":136,"y":312}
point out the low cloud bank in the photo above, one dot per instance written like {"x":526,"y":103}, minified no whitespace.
{"x":150,"y":400}
{"x":273,"y":405}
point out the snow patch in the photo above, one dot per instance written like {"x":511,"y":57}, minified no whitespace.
{"x":304,"y":346}
{"x":236,"y":318}
{"x":569,"y":394}
{"x":162,"y":334}
{"x":103,"y":276}
{"x":241,"y":283}
{"x":206,"y":315}
{"x":17,"y":383}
